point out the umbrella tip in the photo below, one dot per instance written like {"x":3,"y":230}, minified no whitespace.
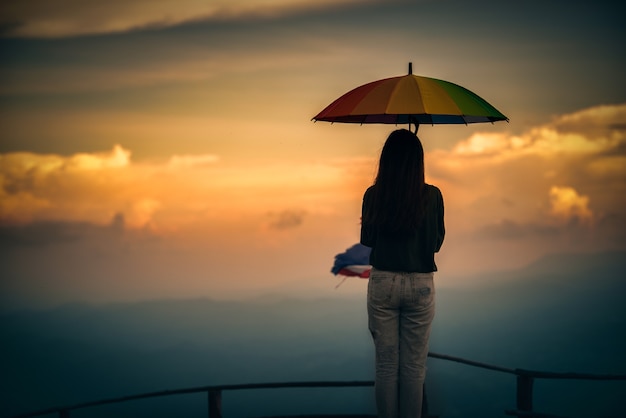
{"x":410,"y":68}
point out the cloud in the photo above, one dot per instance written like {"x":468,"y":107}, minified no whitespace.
{"x":598,"y":121}
{"x":590,"y":131}
{"x":143,"y":210}
{"x":118,"y":158}
{"x":508,"y":229}
{"x":21,"y":164}
{"x":178,"y":192}
{"x":567,"y":209}
{"x":204,"y":63}
{"x":54,"y":187}
{"x":192,"y":161}
{"x":37,"y":18}
{"x":585,"y":147}
{"x":286,"y":219}
{"x":41,"y":234}
{"x":567,"y":204}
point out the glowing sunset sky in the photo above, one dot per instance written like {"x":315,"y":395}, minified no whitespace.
{"x":153,"y":150}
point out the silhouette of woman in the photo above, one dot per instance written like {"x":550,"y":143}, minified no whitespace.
{"x":402,"y":221}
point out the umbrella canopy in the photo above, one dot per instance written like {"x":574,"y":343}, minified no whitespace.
{"x":410,"y":99}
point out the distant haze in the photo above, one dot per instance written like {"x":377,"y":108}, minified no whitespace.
{"x":564,"y":314}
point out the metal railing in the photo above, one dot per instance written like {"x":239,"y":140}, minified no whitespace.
{"x":214,"y":396}
{"x":525,"y":383}
{"x":524,"y":399}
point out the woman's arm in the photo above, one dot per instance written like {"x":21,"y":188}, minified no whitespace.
{"x":368,"y":233}
{"x":440,"y":228}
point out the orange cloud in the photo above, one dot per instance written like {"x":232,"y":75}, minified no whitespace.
{"x":192,"y":161}
{"x":176,"y":193}
{"x":286,"y":219}
{"x":118,"y":158}
{"x":567,"y":204}
{"x":36,"y":184}
{"x":593,"y":130}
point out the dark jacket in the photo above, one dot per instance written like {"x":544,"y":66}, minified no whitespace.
{"x":414,"y":252}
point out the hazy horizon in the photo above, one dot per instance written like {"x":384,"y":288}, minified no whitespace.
{"x":534,"y":321}
{"x":328,"y":286}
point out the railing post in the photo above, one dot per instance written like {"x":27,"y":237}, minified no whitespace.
{"x":524,"y":393}
{"x":215,"y":403}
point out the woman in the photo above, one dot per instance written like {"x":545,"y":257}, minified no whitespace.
{"x":402,"y":221}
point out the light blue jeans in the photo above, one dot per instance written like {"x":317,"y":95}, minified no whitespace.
{"x":401,"y":308}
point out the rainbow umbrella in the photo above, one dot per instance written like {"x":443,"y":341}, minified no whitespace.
{"x":410,"y":99}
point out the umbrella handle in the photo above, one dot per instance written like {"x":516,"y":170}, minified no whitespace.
{"x":417,"y":125}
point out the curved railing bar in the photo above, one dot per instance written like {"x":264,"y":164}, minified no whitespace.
{"x":531,"y":373}
{"x":219,"y":388}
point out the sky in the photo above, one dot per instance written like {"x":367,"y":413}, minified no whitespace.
{"x":166,"y":150}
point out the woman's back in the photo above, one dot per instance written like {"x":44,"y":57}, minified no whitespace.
{"x":409,"y":251}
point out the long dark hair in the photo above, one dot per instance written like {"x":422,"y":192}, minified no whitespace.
{"x":398,"y":195}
